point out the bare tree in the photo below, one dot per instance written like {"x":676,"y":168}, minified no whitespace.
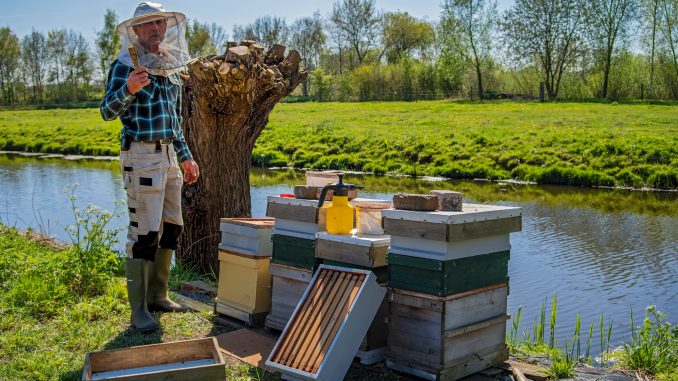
{"x":267,"y":30}
{"x":107,"y":43}
{"x":9,"y":63}
{"x":78,"y":65}
{"x":473,"y":21}
{"x":607,"y":22}
{"x":34,"y":58}
{"x":56,"y":43}
{"x":218,"y":36}
{"x":548,"y":32}
{"x":403,"y":34}
{"x":668,"y":27}
{"x":650,"y":16}
{"x":308,"y":37}
{"x":357,"y":23}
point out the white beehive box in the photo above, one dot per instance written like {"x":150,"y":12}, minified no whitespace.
{"x":249,"y":236}
{"x":328,"y":325}
{"x":445,"y":235}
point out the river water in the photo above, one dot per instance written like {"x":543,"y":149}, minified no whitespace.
{"x":599,"y":250}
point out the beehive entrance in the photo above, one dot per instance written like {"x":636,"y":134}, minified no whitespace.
{"x":305,"y":343}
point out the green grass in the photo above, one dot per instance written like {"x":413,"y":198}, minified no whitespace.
{"x":46,"y":330}
{"x":586,"y":144}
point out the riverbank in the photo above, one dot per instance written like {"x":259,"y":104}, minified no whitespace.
{"x":46,"y":327}
{"x":584,"y":144}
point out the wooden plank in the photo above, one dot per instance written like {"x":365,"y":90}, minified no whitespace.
{"x":421,"y":322}
{"x":472,"y":230}
{"x":475,"y":327}
{"x":533,"y":372}
{"x":301,"y":213}
{"x":412,"y":299}
{"x":198,"y":285}
{"x":484,"y":305}
{"x":148,"y":355}
{"x":415,"y":229}
{"x":247,"y":345}
{"x":192,"y":304}
{"x":462,"y":346}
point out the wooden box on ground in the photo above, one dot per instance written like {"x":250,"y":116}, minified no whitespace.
{"x":444,"y":278}
{"x":190,"y":360}
{"x":296,"y":215}
{"x":328,"y":324}
{"x":287,"y":286}
{"x":447,"y":338}
{"x":251,"y":236}
{"x":244,"y":287}
{"x":362,"y":250}
{"x":297,"y":250}
{"x":444,"y":235}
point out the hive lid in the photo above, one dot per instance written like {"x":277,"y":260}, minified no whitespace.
{"x":328,"y":325}
{"x":256,"y":223}
{"x":470,"y":213}
{"x":356,"y":239}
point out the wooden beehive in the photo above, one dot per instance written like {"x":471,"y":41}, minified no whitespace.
{"x":250,"y":236}
{"x":294,"y":249}
{"x":446,"y":235}
{"x":287,"y":286}
{"x":244,"y":287}
{"x":328,"y":324}
{"x":296,"y":215}
{"x":362,"y":250}
{"x":447,"y":338}
{"x":189,"y":360}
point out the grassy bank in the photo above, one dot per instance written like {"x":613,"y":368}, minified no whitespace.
{"x":585,"y":144}
{"x":48,"y":322}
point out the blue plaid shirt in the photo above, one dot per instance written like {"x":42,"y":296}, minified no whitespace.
{"x":153,"y":113}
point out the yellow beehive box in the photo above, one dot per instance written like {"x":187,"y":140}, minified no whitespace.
{"x":244,"y":285}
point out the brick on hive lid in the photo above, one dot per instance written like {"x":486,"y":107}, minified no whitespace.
{"x":418,"y":202}
{"x":448,"y":200}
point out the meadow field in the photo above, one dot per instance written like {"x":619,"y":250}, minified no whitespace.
{"x":588,"y":144}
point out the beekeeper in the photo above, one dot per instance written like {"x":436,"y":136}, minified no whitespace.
{"x":145,"y":93}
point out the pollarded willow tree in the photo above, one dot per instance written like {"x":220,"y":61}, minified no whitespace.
{"x":226,"y":103}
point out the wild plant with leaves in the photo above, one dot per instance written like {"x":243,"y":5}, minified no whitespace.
{"x":92,"y":261}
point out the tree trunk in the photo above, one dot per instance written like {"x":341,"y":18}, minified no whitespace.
{"x":226,"y":103}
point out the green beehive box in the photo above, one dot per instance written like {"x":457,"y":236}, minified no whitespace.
{"x":443,"y":278}
{"x":293,"y":251}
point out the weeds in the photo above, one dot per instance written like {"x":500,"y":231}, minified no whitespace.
{"x":92,"y":262}
{"x":654,"y":345}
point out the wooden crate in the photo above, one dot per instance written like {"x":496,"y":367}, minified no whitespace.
{"x":251,"y":236}
{"x":244,"y":286}
{"x":190,"y":360}
{"x":297,"y":215}
{"x":444,"y":235}
{"x":294,"y":251}
{"x":449,"y":337}
{"x":444,"y":278}
{"x":326,"y":328}
{"x":287,"y":286}
{"x":362,"y":250}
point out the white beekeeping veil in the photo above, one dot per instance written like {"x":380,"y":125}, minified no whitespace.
{"x":171,"y":53}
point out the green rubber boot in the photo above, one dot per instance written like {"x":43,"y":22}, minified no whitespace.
{"x":158,"y":284}
{"x":136,"y":273}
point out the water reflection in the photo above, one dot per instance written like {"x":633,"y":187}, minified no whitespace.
{"x":599,"y":250}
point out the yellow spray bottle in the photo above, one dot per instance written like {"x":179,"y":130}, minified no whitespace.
{"x":339,"y":218}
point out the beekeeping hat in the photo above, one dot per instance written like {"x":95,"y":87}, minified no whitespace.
{"x":172,"y":52}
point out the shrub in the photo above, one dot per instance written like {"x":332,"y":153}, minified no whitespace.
{"x":667,"y":179}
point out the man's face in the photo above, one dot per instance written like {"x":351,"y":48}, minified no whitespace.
{"x":151,"y":34}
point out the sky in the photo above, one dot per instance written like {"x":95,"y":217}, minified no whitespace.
{"x":86,"y":16}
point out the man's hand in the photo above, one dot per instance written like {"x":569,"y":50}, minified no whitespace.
{"x":191,"y":171}
{"x":137,"y":79}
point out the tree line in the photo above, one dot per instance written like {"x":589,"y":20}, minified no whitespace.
{"x":571,"y":49}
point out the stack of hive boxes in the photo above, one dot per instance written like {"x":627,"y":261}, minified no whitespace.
{"x":293,"y":256}
{"x":244,"y":278}
{"x":365,"y":252}
{"x":448,"y":287}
